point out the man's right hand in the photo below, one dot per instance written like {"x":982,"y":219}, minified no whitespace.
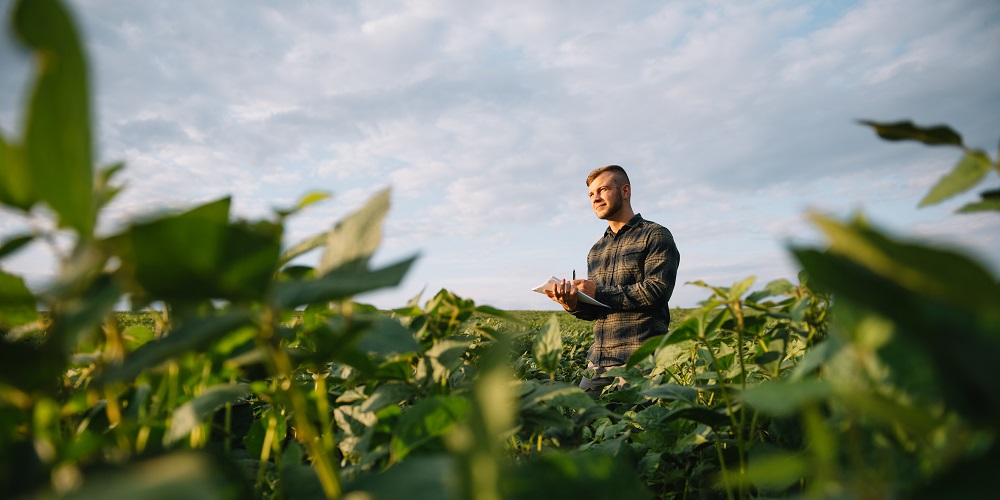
{"x":564,"y":293}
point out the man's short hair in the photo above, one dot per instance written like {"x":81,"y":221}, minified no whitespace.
{"x":609,"y":168}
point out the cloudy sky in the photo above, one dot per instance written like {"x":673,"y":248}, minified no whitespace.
{"x":733,"y":118}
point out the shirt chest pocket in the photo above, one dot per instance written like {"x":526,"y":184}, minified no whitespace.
{"x":631,"y":266}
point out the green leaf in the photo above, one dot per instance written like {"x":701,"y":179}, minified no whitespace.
{"x":72,"y":324}
{"x":967,"y":173}
{"x":645,"y":350}
{"x":588,"y":474}
{"x":701,"y":415}
{"x":943,"y":274}
{"x":189,"y":415}
{"x":355,"y":239}
{"x":339,"y":284}
{"x":310,"y":198}
{"x":784,"y":398}
{"x":426,"y":420}
{"x":547,"y":346}
{"x":907,"y":131}
{"x":554,"y":394}
{"x":184,"y":474}
{"x":388,"y":394}
{"x":14,"y":244}
{"x":738,"y":289}
{"x":16,"y":189}
{"x":57,"y":143}
{"x":198,"y":255}
{"x":672,"y":392}
{"x":962,"y":364}
{"x":104,"y":191}
{"x":776,"y":470}
{"x":194,"y":335}
{"x":256,"y":435}
{"x":17,"y":304}
{"x":431,"y":477}
{"x":774,"y":288}
{"x":990,"y":203}
{"x":386,"y":337}
{"x":302,"y":247}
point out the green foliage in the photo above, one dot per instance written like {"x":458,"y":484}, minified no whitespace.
{"x":967,"y":173}
{"x":255,"y":377}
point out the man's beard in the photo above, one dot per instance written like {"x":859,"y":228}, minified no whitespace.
{"x":612,"y":208}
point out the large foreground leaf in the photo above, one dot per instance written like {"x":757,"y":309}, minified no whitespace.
{"x":958,"y":333}
{"x":57,"y":145}
{"x":339,"y":284}
{"x":354,"y":239}
{"x":200,"y":255}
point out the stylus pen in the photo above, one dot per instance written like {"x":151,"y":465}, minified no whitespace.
{"x":574,"y":274}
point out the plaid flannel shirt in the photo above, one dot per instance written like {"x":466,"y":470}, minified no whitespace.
{"x":635,"y":271}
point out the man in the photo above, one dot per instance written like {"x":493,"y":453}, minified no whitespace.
{"x":632,"y":269}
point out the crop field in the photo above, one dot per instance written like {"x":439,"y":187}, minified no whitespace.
{"x":239,"y":375}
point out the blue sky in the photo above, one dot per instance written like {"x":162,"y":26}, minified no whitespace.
{"x":732,"y":118}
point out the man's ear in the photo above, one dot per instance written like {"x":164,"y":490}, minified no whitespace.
{"x":626,"y":191}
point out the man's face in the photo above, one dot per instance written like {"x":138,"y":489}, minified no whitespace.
{"x":605,"y":195}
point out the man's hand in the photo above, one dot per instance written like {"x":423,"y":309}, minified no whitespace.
{"x":586,"y":286}
{"x":564,"y":292}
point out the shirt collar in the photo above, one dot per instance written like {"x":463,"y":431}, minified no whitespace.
{"x":633,"y":222}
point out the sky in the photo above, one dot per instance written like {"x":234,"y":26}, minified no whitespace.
{"x":734,"y":119}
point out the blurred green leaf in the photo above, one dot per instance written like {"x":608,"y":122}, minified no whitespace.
{"x":990,"y":203}
{"x":17,"y":304}
{"x":255,"y":437}
{"x":776,"y":287}
{"x":426,"y":420}
{"x":554,"y":394}
{"x":388,"y":394}
{"x":967,"y":478}
{"x":959,"y":336}
{"x":738,"y":289}
{"x":194,"y":335}
{"x":576,"y":475}
{"x":302,"y":247}
{"x":104,"y":190}
{"x":672,"y":392}
{"x":339,"y":284}
{"x":198,"y":255}
{"x":547,"y":346}
{"x":191,"y":414}
{"x":16,"y":189}
{"x":30,"y":367}
{"x":907,"y":131}
{"x":946,"y":275}
{"x":431,"y":477}
{"x":967,"y":173}
{"x":387,"y":337}
{"x":186,"y":474}
{"x":354,"y":239}
{"x":14,"y":244}
{"x":784,"y":398}
{"x":701,"y":415}
{"x":84,"y":316}
{"x":776,"y":470}
{"x":57,"y":143}
{"x":307,"y":199}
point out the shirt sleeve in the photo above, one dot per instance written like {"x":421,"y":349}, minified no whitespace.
{"x":588,"y":312}
{"x":656,"y":284}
